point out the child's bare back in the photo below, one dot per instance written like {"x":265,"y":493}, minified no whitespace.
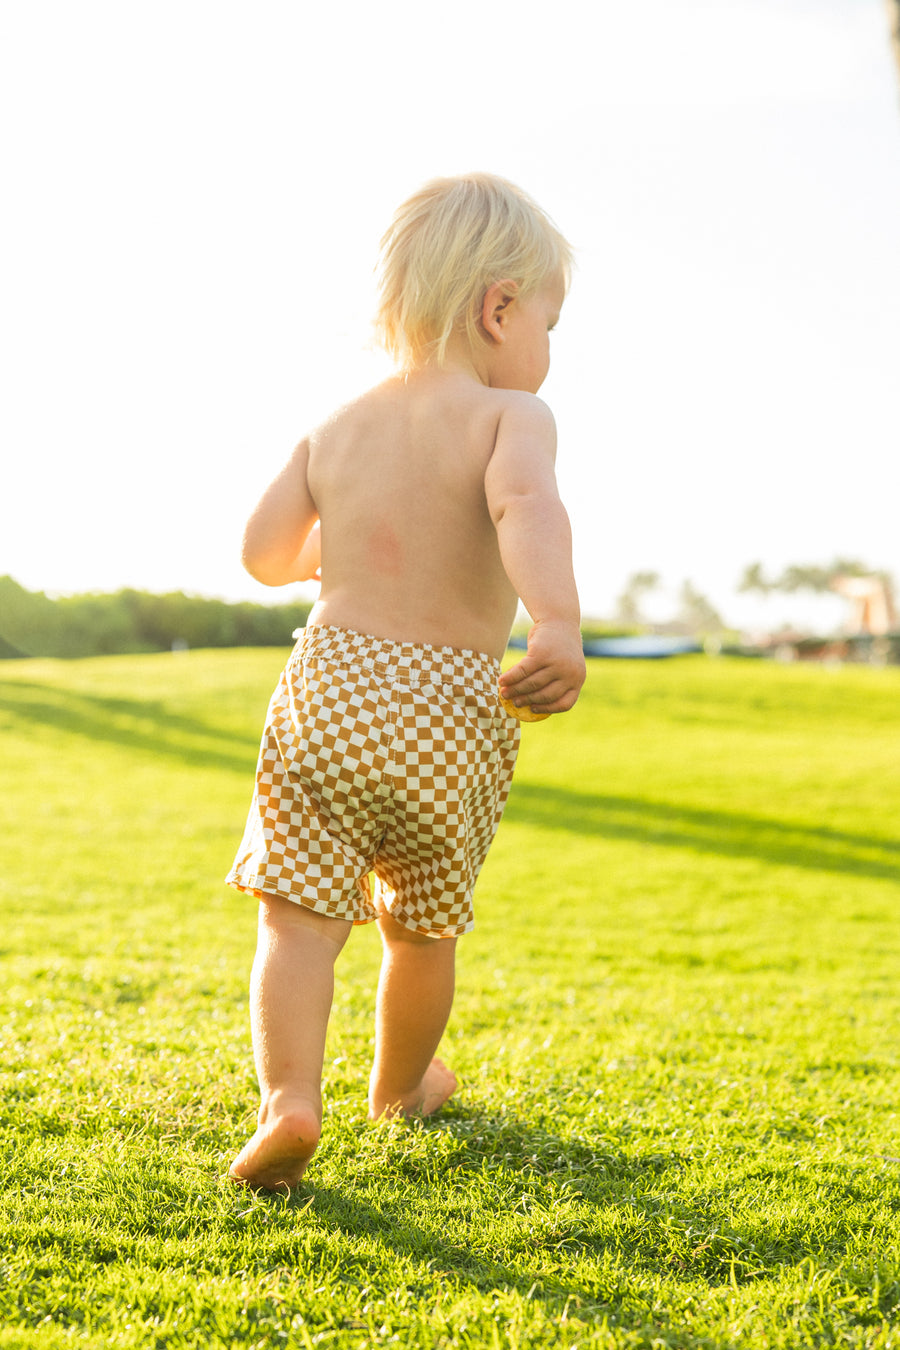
{"x":409,"y":548}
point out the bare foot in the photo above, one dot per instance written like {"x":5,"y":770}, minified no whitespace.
{"x":437,"y":1086}
{"x":277,"y":1155}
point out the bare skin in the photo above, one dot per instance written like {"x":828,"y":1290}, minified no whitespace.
{"x":438,"y":504}
{"x":417,"y":977}
{"x":291,"y":991}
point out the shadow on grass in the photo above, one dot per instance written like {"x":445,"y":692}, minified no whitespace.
{"x":146,"y":726}
{"x":136,"y":724}
{"x":450,"y":1240}
{"x":724,"y":833}
{"x":568,"y":1201}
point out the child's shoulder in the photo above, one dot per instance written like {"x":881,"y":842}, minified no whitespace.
{"x":523,"y":420}
{"x":519,"y":403}
{"x":448,"y":388}
{"x":449,"y":399}
{"x":369,"y":402}
{"x":347,"y":416}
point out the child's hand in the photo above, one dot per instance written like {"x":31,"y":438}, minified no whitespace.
{"x":549,"y":678}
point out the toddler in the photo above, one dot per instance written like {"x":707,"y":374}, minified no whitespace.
{"x":429,"y":507}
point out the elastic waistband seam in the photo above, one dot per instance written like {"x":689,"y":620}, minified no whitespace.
{"x":409,"y":662}
{"x":403,"y":676}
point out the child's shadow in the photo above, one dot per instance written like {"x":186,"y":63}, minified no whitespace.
{"x":504,"y":1203}
{"x":539,"y":1175}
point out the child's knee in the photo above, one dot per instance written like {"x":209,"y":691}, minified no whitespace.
{"x":280,"y":915}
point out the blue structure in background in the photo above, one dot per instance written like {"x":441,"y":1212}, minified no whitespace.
{"x":643,"y":647}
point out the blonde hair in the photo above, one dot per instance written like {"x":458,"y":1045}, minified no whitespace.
{"x":445,"y":246}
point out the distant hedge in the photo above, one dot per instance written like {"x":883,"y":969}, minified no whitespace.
{"x":31,"y":624}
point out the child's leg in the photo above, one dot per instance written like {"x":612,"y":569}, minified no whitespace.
{"x":415,"y":994}
{"x":291,"y":990}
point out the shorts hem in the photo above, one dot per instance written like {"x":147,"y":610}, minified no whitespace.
{"x":257,"y":887}
{"x":452,"y":930}
{"x":260,"y":886}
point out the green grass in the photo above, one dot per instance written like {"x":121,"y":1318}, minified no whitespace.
{"x":676,"y":1027}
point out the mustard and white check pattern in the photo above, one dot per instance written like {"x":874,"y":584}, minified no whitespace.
{"x":381,"y":758}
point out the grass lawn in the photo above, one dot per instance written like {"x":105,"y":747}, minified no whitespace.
{"x":676,"y":1028}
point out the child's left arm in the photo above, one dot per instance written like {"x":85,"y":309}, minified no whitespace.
{"x":281,"y":540}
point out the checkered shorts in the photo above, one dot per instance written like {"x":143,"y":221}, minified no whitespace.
{"x":379,"y":758}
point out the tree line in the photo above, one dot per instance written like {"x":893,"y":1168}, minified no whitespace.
{"x":33,"y":624}
{"x":809,"y":576}
{"x":696,"y":615}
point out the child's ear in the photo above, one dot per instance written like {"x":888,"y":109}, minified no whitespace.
{"x":498,"y":298}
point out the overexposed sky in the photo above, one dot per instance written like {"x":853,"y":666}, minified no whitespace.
{"x":194,"y":196}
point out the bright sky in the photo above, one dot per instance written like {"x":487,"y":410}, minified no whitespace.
{"x":194,"y":195}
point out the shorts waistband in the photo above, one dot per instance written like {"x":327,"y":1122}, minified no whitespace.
{"x":407,"y":662}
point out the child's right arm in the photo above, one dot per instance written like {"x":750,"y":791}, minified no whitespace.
{"x":536,"y":549}
{"x":280,"y":540}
